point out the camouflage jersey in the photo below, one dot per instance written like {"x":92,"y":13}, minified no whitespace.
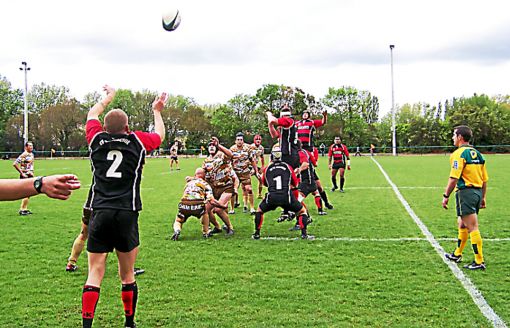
{"x":257,"y":152}
{"x":241,"y":159}
{"x":26,"y":162}
{"x":197,"y":190}
{"x":218,"y":170}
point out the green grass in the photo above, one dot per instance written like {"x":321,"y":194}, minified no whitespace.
{"x":239,"y":282}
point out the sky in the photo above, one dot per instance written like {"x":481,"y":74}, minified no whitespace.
{"x":443,"y":49}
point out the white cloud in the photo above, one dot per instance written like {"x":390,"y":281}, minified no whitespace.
{"x":222,"y":48}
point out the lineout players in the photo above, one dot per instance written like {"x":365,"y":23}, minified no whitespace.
{"x":340,"y":155}
{"x":24,"y":164}
{"x":196,"y":201}
{"x":279,"y":178}
{"x":218,"y":174}
{"x":306,"y":128}
{"x":258,"y":153}
{"x":243,"y":163}
{"x":307,"y":183}
{"x":117,"y":158}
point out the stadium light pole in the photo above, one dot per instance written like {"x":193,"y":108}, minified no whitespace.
{"x":25,"y":114}
{"x":393,"y":127}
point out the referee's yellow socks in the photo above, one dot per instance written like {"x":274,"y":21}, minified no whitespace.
{"x":461,"y":242}
{"x":477,"y":243}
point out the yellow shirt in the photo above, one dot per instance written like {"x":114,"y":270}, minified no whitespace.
{"x":468,"y":166}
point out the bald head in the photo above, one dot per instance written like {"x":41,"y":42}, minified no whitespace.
{"x":116,"y":122}
{"x":200,"y":173}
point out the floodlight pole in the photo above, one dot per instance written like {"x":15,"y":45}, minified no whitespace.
{"x":25,"y":113}
{"x":393,"y":127}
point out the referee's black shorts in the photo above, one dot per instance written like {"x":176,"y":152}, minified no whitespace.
{"x":113,"y":229}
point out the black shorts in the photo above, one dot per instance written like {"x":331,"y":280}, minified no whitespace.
{"x":271,"y":202}
{"x":113,"y":229}
{"x":315,"y":176}
{"x":337,"y":166}
{"x":175,"y":158}
{"x":187,"y":210}
{"x":307,"y":188}
{"x":292,"y":160}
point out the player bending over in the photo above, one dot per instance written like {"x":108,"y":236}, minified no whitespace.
{"x":279,"y":178}
{"x":196,"y":201}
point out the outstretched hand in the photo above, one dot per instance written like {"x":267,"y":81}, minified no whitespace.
{"x":60,"y":186}
{"x":159,"y":102}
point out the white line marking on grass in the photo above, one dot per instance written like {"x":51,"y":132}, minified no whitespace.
{"x":388,"y":187}
{"x":475,"y":294}
{"x":377,"y":240}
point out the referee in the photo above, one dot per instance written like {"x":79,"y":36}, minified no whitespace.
{"x":468,"y":176}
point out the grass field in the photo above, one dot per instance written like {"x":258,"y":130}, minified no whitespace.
{"x":369,"y":267}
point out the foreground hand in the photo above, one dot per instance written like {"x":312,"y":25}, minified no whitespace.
{"x":215,"y":141}
{"x":483,"y":203}
{"x":60,"y":186}
{"x":445,"y":203}
{"x":159,"y":102}
{"x":110,"y":91}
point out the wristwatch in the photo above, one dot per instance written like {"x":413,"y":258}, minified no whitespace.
{"x":445,"y":196}
{"x":38,"y":184}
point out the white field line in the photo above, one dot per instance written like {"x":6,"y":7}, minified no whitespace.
{"x":377,"y":240}
{"x":475,"y":294}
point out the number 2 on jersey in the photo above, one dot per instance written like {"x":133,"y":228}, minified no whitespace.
{"x":116,"y":157}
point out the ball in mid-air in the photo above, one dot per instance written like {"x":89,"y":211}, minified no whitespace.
{"x":171,"y":19}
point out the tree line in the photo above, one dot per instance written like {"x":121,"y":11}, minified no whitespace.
{"x":57,"y":120}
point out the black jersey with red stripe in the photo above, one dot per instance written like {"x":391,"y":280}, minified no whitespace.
{"x":339,"y":153}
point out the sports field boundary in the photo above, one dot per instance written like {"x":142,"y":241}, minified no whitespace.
{"x":468,"y":285}
{"x":376,"y":240}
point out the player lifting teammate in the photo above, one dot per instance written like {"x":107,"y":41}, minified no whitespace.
{"x":340,"y":155}
{"x":219,"y":172}
{"x":307,"y":183}
{"x":306,"y":128}
{"x":243,"y":163}
{"x":117,"y":156}
{"x":279,"y":178}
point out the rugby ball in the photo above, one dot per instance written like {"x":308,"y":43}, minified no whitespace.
{"x":171,"y":20}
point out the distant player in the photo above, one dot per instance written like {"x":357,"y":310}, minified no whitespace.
{"x":468,"y":177}
{"x":339,"y":155}
{"x":218,"y":168}
{"x":243,"y":163}
{"x":24,"y":164}
{"x":258,"y":153}
{"x":174,"y":155}
{"x":117,"y":156}
{"x":196,"y":201}
{"x":279,"y":178}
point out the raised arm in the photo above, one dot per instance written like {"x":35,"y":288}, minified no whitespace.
{"x":324,"y":117}
{"x":100,"y":106}
{"x":157,"y":107}
{"x":222,"y":148}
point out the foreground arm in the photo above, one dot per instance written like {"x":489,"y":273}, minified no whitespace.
{"x":157,"y":107}
{"x":55,"y":186}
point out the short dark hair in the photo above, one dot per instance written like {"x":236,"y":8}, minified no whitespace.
{"x":28,"y":143}
{"x":240,"y":134}
{"x":464,"y":131}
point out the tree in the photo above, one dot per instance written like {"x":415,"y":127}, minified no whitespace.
{"x":42,"y":96}
{"x":11,"y":104}
{"x":197,"y":126}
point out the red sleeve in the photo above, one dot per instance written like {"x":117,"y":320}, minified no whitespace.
{"x":92,"y":128}
{"x":330,"y":152}
{"x":346,"y":152}
{"x":316,"y":154}
{"x":317,"y":123}
{"x":285,"y":121}
{"x":264,"y":182}
{"x":293,"y":179}
{"x":302,"y":157}
{"x":150,"y":141}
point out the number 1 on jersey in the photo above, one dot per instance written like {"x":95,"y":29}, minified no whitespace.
{"x":116,"y":157}
{"x":278,"y":180}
